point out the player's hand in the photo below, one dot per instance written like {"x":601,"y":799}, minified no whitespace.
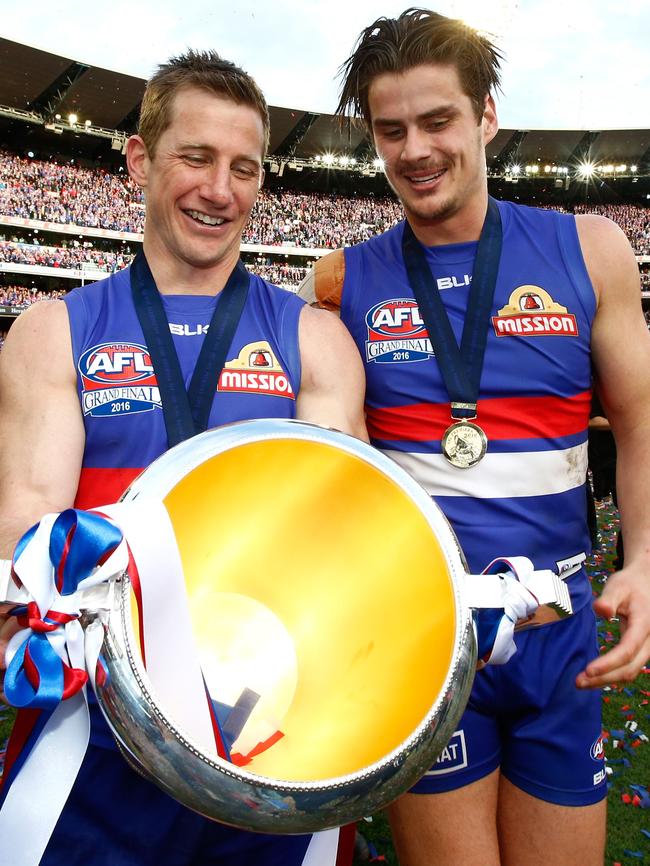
{"x":627,"y":596}
{"x":8,"y":628}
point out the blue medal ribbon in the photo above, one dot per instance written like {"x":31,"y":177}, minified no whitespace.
{"x":187,"y":413}
{"x":460,"y":368}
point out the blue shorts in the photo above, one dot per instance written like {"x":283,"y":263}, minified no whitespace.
{"x":528,"y":718}
{"x":115,"y":817}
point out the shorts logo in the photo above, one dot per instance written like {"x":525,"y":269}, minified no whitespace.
{"x":531,"y":311}
{"x":117,"y":379}
{"x":597,"y":750}
{"x":256,"y":370}
{"x":599,"y":777}
{"x":453,"y":757}
{"x":396,"y":332}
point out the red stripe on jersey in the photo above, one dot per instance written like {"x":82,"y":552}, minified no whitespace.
{"x":102,"y":486}
{"x":501,"y":418}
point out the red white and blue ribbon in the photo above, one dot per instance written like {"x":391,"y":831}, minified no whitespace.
{"x":49,"y":661}
{"x":46,"y":672}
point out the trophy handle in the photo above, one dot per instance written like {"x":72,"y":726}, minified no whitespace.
{"x":486,"y":590}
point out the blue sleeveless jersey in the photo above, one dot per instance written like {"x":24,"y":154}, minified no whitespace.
{"x":118,"y":391}
{"x":527,"y":496}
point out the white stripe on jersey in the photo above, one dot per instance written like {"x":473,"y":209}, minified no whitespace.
{"x":508,"y":475}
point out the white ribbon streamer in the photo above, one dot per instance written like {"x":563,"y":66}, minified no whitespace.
{"x":40,"y":790}
{"x":172,"y":658}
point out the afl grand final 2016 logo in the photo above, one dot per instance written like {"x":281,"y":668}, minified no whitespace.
{"x":396,"y":332}
{"x":117,"y":379}
{"x":532,"y":312}
{"x":256,"y":370}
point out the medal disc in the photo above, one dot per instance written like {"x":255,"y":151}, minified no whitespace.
{"x":464,"y":444}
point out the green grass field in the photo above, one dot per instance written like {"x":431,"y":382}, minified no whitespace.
{"x":626,"y":722}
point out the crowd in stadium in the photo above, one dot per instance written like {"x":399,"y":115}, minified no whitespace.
{"x":48,"y":191}
{"x":289,"y":276}
{"x":74,"y":257}
{"x":318,"y":220}
{"x":21,"y":296}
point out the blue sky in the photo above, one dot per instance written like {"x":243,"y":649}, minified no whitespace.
{"x":570,"y":64}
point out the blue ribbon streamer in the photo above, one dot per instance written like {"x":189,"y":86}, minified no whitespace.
{"x":19,"y":691}
{"x":93,"y":538}
{"x":487,"y":621}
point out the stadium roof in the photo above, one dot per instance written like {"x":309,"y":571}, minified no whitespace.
{"x":39,"y":86}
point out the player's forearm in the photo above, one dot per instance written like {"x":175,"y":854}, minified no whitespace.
{"x":16,"y":517}
{"x":633,"y":493}
{"x":31,"y":487}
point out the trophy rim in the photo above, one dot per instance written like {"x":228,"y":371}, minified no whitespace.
{"x":370,"y":787}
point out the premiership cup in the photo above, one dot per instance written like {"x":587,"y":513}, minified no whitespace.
{"x":327,"y":603}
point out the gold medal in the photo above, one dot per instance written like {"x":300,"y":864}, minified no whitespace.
{"x":464,"y":444}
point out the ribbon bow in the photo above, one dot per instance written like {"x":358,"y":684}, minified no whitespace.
{"x":45,"y":660}
{"x":495,"y":626}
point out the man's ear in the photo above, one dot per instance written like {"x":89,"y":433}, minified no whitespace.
{"x":137,"y":160}
{"x":490,"y":120}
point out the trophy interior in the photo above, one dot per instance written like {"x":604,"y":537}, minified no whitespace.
{"x":321,"y":602}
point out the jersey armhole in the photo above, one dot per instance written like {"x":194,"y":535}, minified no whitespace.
{"x":289,"y":337}
{"x":77,"y":310}
{"x":571,"y":251}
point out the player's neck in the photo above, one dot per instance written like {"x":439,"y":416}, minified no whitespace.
{"x":462,"y":226}
{"x":174,"y":276}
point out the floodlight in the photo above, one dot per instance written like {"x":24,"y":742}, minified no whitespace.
{"x":72,"y":119}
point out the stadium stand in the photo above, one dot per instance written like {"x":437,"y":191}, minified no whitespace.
{"x":69,"y":213}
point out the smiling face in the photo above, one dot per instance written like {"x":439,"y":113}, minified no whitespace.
{"x":200,"y":186}
{"x":426,"y":131}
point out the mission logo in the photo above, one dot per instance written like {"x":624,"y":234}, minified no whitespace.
{"x":396,"y":332}
{"x":117,"y":379}
{"x":256,"y":370}
{"x":531,"y":311}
